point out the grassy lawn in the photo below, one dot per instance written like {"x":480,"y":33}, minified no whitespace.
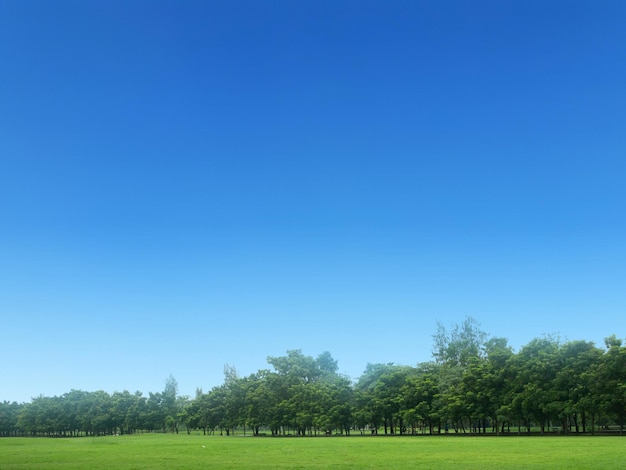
{"x":158,"y":451}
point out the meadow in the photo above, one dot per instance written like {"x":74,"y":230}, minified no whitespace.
{"x":168,"y":451}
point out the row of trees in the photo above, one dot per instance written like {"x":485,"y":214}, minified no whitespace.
{"x":94,"y":413}
{"x":475,"y":384}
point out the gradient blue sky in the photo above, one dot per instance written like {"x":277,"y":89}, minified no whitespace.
{"x":189,"y":184}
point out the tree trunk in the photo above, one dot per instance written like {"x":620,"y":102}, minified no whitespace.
{"x":583,"y":419}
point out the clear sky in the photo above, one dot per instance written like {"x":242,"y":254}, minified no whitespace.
{"x":185,"y":185}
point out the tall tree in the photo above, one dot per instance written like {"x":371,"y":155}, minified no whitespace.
{"x":458,"y":346}
{"x":538,"y":364}
{"x":169,"y":405}
{"x":9,"y":412}
{"x":327,"y":364}
{"x":611,"y":381}
{"x":419,"y":393}
{"x":577,"y":358}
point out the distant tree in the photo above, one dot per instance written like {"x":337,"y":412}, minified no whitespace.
{"x":9,"y":412}
{"x":474,"y":383}
{"x":327,"y":364}
{"x":456,"y":350}
{"x":155,"y":413}
{"x":498,"y":382}
{"x":537,"y":365}
{"x":259,"y":401}
{"x":378,"y":408}
{"x":576,"y":400}
{"x":295,"y":366}
{"x":419,"y":394}
{"x":387,"y":394}
{"x":169,"y":405}
{"x":611,"y":381}
{"x":458,"y":346}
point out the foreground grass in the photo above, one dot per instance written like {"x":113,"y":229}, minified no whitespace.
{"x":159,"y":451}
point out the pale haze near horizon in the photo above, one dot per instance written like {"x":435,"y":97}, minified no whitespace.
{"x":185,"y":185}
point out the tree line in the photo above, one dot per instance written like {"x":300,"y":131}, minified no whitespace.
{"x":475,"y":384}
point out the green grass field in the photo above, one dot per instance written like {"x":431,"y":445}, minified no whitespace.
{"x":166,"y":451}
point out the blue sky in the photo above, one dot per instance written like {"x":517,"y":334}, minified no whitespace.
{"x":185,"y":185}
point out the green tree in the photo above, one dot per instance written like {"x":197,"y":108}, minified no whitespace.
{"x":538,"y":364}
{"x":458,"y":346}
{"x":419,"y":394}
{"x":326,"y":364}
{"x":9,"y":412}
{"x":577,"y":358}
{"x":169,"y":405}
{"x":259,"y":401}
{"x":611,"y":381}
{"x":380,"y":386}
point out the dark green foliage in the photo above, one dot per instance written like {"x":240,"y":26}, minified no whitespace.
{"x":475,"y":385}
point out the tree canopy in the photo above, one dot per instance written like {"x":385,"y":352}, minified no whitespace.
{"x":475,"y":384}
